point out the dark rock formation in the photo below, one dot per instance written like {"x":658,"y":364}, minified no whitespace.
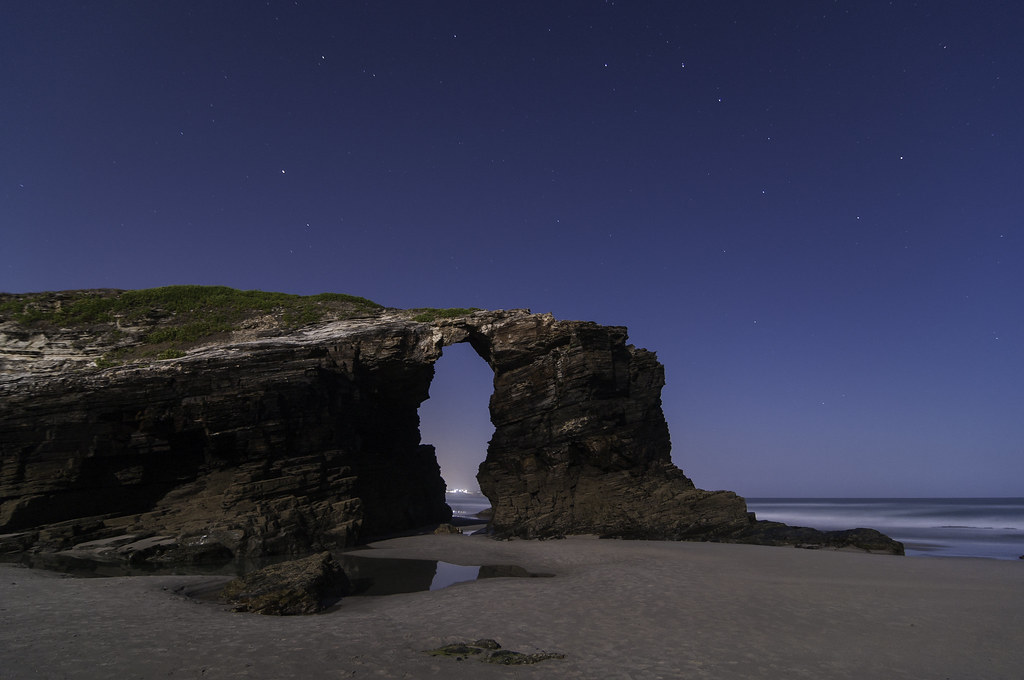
{"x":280,"y":446}
{"x":489,"y":651}
{"x":286,"y":443}
{"x":580,"y":442}
{"x":777,"y":533}
{"x":303,"y":586}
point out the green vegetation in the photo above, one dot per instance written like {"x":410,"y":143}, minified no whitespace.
{"x":215,"y":308}
{"x":197,"y":310}
{"x":107,"y":360}
{"x":171,"y":319}
{"x":428,"y":314}
{"x":162,"y":323}
{"x":17,"y":310}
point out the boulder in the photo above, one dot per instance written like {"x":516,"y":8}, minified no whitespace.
{"x":303,"y":586}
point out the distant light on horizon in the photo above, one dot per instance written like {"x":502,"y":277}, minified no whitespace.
{"x":455,"y":419}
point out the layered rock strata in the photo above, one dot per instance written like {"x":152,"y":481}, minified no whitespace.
{"x":281,"y":445}
{"x":308,"y":440}
{"x":303,"y":586}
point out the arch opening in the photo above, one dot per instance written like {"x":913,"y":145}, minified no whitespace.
{"x":455,"y":419}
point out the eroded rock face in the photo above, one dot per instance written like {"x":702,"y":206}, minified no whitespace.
{"x":300,"y":442}
{"x":279,"y":446}
{"x":581,"y":444}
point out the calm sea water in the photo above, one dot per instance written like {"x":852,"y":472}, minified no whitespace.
{"x":467,"y":504}
{"x":941,"y":527}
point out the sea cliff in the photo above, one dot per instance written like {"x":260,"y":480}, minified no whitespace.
{"x":193,"y":423}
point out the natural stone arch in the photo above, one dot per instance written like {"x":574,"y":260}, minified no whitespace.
{"x":581,"y":444}
{"x":309,"y":440}
{"x":455,"y":419}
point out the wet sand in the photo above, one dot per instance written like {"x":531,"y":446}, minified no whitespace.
{"x":616,"y":609}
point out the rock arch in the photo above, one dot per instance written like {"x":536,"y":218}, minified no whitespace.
{"x":300,"y":442}
{"x":581,"y":444}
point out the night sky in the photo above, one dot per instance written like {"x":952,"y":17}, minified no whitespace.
{"x":812,"y":211}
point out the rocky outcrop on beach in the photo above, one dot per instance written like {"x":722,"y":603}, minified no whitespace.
{"x":776,"y":533}
{"x":278,"y":445}
{"x":581,"y":445}
{"x":489,"y":651}
{"x":303,"y":586}
{"x":263,"y":439}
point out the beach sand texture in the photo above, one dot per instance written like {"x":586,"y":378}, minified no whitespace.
{"x":616,"y":609}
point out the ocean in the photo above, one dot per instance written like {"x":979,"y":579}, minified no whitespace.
{"x":934,"y":527}
{"x":467,"y":504}
{"x":937,"y":527}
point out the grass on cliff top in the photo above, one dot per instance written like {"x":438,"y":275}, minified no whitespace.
{"x":215,"y":306}
{"x":176,"y":316}
{"x":160,"y":323}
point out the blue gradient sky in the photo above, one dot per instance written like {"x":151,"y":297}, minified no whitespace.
{"x":812,"y":211}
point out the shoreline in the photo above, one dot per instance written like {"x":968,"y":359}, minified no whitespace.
{"x":616,"y":609}
{"x":934,"y":527}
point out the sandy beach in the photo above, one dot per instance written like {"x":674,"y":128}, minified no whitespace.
{"x":616,"y":609}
